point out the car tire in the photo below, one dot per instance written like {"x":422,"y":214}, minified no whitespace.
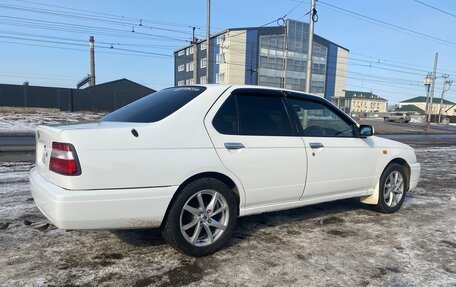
{"x":195,"y":213}
{"x":393,"y":188}
{"x":386,"y":119}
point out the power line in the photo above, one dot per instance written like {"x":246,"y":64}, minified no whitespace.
{"x":389,"y":25}
{"x":50,"y":11}
{"x":81,"y":43}
{"x":337,"y":75}
{"x":114,"y":16}
{"x":83,"y":50}
{"x":43,"y":24}
{"x":122,"y":22}
{"x":435,"y":8}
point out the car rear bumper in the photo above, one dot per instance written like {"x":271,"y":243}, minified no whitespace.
{"x":100,"y":209}
{"x":415,"y":171}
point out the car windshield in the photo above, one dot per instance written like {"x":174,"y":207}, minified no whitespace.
{"x":156,"y":106}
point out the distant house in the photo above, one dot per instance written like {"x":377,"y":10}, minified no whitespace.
{"x":447,"y":107}
{"x":361,"y":102}
{"x":122,"y":86}
{"x":411,"y":109}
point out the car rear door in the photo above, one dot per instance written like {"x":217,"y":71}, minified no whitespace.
{"x":255,"y":139}
{"x":340,"y":163}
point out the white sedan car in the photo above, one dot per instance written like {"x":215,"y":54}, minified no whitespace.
{"x":192,"y":159}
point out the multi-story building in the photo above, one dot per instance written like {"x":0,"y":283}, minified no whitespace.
{"x":269,"y":56}
{"x":361,"y":102}
{"x":446,"y":107}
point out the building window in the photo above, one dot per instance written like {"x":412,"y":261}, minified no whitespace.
{"x":203,"y":80}
{"x":220,"y":78}
{"x":189,"y":50}
{"x":220,"y":39}
{"x":203,"y":46}
{"x":189,"y":82}
{"x":203,"y":63}
{"x":181,"y":83}
{"x":180,"y":68}
{"x":189,"y":67}
{"x":181,"y":53}
{"x":219,"y":58}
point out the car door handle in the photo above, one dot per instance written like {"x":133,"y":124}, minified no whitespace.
{"x":316,"y":145}
{"x":234,"y":146}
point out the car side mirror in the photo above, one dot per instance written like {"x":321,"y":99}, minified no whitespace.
{"x":366,"y":130}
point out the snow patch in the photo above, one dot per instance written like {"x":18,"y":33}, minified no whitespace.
{"x":26,"y":122}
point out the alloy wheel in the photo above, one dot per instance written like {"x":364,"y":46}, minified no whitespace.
{"x":204,"y":217}
{"x":394,"y":189}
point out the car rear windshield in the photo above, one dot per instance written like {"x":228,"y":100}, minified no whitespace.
{"x":156,"y":106}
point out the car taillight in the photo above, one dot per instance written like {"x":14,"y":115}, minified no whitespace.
{"x":64,"y":159}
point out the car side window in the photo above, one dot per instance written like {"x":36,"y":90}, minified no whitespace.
{"x":263,"y":116}
{"x":319,"y":120}
{"x":226,"y":121}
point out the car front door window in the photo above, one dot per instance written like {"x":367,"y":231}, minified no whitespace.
{"x":318,"y":120}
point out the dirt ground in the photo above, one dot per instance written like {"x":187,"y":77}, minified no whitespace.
{"x":335,"y":244}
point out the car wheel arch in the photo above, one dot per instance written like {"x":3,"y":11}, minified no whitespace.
{"x":215,"y":175}
{"x":373,"y":198}
{"x":406,"y":166}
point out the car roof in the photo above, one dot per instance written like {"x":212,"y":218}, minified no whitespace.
{"x":257,"y":87}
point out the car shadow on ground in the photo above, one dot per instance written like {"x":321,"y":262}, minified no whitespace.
{"x":140,"y":237}
{"x":328,"y":213}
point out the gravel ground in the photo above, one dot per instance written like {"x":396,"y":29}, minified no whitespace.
{"x":335,"y":244}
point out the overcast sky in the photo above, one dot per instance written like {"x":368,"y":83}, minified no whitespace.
{"x":46,"y":42}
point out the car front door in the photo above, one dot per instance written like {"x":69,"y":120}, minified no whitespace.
{"x":340,"y":163}
{"x":255,"y":139}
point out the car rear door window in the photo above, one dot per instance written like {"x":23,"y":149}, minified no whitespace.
{"x":320,"y":120}
{"x":156,"y":106}
{"x":262,"y":115}
{"x":226,"y":121}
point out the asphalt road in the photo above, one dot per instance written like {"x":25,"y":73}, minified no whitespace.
{"x":27,"y":143}
{"x":16,"y":143}
{"x":17,"y":140}
{"x":424,"y":139}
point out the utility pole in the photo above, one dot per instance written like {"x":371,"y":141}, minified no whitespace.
{"x":431,"y":94}
{"x":208,"y":40}
{"x":444,"y":90}
{"x":92,"y":61}
{"x":310,"y":45}
{"x":195,"y":57}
